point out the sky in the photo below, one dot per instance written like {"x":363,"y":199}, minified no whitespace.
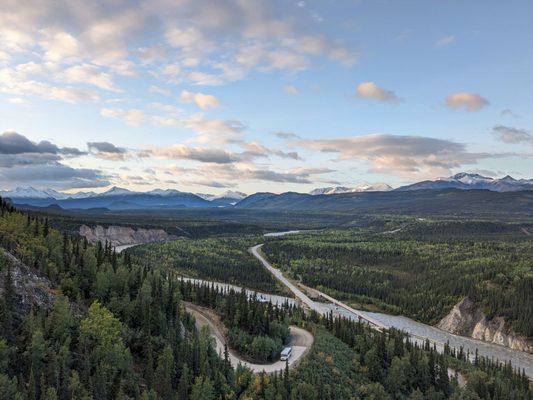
{"x":208,"y":96}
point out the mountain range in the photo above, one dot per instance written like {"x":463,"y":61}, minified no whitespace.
{"x":123,"y":199}
{"x":120,"y":199}
{"x":467,"y":181}
{"x":364,"y":187}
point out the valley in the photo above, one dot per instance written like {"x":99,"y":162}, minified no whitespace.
{"x":350,"y":285}
{"x":266,"y":200}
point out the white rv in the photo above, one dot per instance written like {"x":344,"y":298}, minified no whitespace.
{"x":286,"y":353}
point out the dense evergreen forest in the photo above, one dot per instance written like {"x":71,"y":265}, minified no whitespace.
{"x":116,"y":329}
{"x":420,"y":271}
{"x":223,"y":259}
{"x":256,"y":329}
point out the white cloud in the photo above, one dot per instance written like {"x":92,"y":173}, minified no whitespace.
{"x":16,"y":83}
{"x":91,"y":75}
{"x":201,"y":43}
{"x":159,"y":90}
{"x":406,"y":156}
{"x":17,"y":100}
{"x":369,"y":90}
{"x":469,"y":101}
{"x":135,"y":117}
{"x":208,"y":131}
{"x":59,"y":46}
{"x":445,"y":41}
{"x":202,"y":154}
{"x":188,"y":39}
{"x":204,"y":101}
{"x":289,"y":89}
{"x":508,"y":134}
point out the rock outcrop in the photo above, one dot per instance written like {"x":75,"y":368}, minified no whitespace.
{"x":31,"y":288}
{"x":123,"y":235}
{"x":467,"y":320}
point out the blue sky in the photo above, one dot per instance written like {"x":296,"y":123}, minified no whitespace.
{"x":280,"y":95}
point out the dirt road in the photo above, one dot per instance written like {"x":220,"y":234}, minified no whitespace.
{"x":301,"y":341}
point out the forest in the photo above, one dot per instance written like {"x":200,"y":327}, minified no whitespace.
{"x":256,"y":329}
{"x":420,"y":271}
{"x":116,"y":328}
{"x":218,"y":258}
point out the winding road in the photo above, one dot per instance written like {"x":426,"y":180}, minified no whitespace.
{"x":301,"y":341}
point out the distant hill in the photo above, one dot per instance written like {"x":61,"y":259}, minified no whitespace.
{"x":445,"y":201}
{"x":328,"y":198}
{"x":117,"y":199}
{"x":467,"y":181}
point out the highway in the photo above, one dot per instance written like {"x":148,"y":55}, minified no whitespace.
{"x":305,"y":299}
{"x":417,"y":331}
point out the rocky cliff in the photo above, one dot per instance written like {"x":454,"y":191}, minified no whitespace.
{"x":467,"y":320}
{"x":122,"y":235}
{"x":31,"y":288}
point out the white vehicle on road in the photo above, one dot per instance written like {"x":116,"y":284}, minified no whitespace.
{"x":286,"y":353}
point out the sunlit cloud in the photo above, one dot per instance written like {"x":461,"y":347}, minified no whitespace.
{"x":468,"y":101}
{"x":369,"y":90}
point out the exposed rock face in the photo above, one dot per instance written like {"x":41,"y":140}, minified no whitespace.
{"x":464,"y":320}
{"x":31,"y":288}
{"x":122,"y":235}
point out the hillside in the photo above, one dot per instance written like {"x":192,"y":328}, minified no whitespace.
{"x":447,"y":201}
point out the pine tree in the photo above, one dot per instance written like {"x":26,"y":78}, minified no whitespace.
{"x":7,"y":306}
{"x":183,"y":385}
{"x":164,"y":374}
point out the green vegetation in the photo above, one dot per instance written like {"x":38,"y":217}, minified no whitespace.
{"x":223,"y":259}
{"x":421,"y":271}
{"x":348,"y":361}
{"x":116,"y":329}
{"x":257,"y":330}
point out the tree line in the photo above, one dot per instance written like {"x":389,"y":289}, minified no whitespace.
{"x":421,"y":276}
{"x":117,"y":330}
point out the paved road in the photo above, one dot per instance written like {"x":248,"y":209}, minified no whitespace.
{"x":301,"y":342}
{"x":416,"y":330}
{"x":279,"y":276}
{"x":305,"y":299}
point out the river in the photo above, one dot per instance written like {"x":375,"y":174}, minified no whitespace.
{"x":419,"y":332}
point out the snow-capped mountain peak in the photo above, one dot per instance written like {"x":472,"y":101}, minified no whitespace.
{"x":231,"y":194}
{"x":164,"y":192}
{"x":469,"y":179}
{"x":26,"y":193}
{"x":330,"y":190}
{"x":116,"y":191}
{"x":363,"y":187}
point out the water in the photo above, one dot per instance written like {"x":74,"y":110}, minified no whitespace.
{"x":276,"y":234}
{"x":417,"y":330}
{"x":120,"y":249}
{"x":420,"y":332}
{"x":274,"y":299}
